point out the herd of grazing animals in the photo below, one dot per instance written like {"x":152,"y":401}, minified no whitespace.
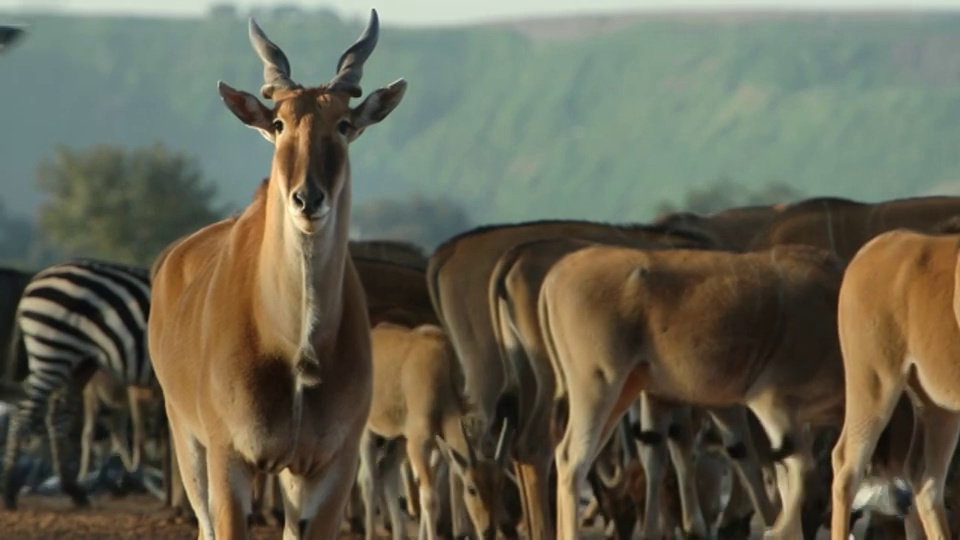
{"x":514,"y":366}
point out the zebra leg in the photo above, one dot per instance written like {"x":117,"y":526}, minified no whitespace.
{"x":28,"y":414}
{"x":61,"y":418}
{"x":20,"y":422}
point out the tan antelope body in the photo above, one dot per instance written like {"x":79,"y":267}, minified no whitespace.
{"x":712,"y":329}
{"x":394,"y":284}
{"x":258,"y":328}
{"x":899,"y":332}
{"x":459,"y":275}
{"x":417,"y":390}
{"x":514,"y":290}
{"x":843,"y":226}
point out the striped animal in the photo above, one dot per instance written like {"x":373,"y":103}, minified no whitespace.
{"x":76,"y":317}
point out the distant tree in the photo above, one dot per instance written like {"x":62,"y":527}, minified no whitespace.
{"x":426,"y":222}
{"x":724,"y":193}
{"x":122,"y":205}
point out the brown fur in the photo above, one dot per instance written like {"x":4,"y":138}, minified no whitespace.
{"x":898,"y":331}
{"x":732,"y":229}
{"x":458,"y":277}
{"x":258,"y":329}
{"x":395,"y":293}
{"x":395,"y":251}
{"x":843,"y":225}
{"x":514,"y":288}
{"x":418,"y":395}
{"x":712,"y":329}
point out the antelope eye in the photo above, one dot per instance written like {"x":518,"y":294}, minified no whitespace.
{"x":277,"y":126}
{"x":344,"y":126}
{"x":472,"y":491}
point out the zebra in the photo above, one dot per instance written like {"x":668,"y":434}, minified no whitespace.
{"x":76,"y":317}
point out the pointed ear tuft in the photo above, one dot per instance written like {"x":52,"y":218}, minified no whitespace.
{"x":378,"y":105}
{"x":246,"y":107}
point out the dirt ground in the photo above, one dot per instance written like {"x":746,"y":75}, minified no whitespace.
{"x":134,"y":516}
{"x":138,"y":517}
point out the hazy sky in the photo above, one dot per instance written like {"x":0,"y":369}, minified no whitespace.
{"x":457,"y":11}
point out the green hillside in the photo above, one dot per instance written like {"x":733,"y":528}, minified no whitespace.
{"x":604,"y":125}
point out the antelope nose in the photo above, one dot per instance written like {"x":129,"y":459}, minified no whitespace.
{"x":308,"y":201}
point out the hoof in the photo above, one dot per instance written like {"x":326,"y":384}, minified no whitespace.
{"x":356,"y":525}
{"x":736,"y":528}
{"x":903,"y":499}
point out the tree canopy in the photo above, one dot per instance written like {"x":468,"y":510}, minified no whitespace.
{"x":120,"y":204}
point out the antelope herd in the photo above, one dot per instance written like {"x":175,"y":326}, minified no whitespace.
{"x":495,"y":381}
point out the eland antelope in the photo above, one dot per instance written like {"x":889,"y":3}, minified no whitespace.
{"x":514,"y":289}
{"x":898,"y":326}
{"x":458,"y":277}
{"x":418,"y":395}
{"x":258,"y":328}
{"x":708,"y":328}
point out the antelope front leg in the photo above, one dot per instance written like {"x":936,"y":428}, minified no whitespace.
{"x":390,"y":467}
{"x":533,"y":474}
{"x":191,"y":469}
{"x":410,"y":490}
{"x":419,"y":447}
{"x":314,"y":506}
{"x":231,"y":493}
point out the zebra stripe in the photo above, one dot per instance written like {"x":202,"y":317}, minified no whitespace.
{"x":89,"y":310}
{"x":73,"y":316}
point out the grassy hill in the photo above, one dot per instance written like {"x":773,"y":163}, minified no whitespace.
{"x":596,"y":117}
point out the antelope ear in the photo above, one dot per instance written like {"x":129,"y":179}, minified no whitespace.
{"x":248,"y":109}
{"x":377,"y":106}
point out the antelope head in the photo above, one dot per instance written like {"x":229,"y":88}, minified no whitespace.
{"x":483,"y":480}
{"x":311,"y":128}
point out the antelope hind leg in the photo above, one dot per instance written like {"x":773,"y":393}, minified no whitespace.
{"x":940,"y":432}
{"x":791,"y":447}
{"x":680,"y":444}
{"x":741,"y":451}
